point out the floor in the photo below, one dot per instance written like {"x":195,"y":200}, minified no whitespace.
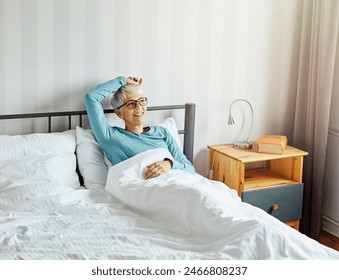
{"x":328,"y":240}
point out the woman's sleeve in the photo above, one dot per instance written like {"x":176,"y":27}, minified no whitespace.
{"x":179,"y":159}
{"x":94,"y":109}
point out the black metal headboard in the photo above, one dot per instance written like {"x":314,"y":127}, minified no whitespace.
{"x":188,"y":130}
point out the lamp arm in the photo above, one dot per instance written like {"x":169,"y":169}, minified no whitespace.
{"x":230,"y":113}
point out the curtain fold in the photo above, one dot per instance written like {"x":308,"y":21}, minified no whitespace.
{"x":315,"y":82}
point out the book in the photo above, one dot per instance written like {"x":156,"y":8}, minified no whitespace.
{"x":271,"y":144}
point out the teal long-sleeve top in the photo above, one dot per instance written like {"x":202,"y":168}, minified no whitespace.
{"x":119,"y":144}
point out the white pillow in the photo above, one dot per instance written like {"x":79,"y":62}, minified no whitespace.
{"x":90,"y":159}
{"x":38,"y":158}
{"x":171,"y":125}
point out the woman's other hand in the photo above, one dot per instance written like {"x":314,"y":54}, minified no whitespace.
{"x":133,"y":80}
{"x":158,"y":168}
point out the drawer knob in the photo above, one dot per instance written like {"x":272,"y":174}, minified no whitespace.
{"x":275,"y":207}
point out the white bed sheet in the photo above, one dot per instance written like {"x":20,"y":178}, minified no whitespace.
{"x":176,"y":216}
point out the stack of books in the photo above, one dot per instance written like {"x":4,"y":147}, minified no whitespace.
{"x":271,"y":144}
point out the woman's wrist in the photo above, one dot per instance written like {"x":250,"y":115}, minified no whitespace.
{"x":169,"y":160}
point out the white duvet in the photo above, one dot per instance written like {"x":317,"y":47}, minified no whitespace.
{"x":175,"y":216}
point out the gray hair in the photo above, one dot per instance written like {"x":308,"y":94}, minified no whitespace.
{"x":119,"y":96}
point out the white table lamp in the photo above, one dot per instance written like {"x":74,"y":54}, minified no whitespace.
{"x":241,"y":144}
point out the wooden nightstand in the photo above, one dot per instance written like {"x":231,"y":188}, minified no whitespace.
{"x":269,"y":181}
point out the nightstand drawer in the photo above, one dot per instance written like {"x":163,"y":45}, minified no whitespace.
{"x":283,"y":202}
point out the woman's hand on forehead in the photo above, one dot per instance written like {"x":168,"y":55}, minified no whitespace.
{"x":133,"y":80}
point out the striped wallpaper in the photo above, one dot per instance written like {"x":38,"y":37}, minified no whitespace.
{"x":204,"y":51}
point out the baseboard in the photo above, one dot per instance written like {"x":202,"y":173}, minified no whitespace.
{"x":330,"y":226}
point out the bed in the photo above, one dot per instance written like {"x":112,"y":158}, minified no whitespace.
{"x":61,"y":199}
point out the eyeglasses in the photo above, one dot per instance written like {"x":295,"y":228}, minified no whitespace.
{"x":131,"y":104}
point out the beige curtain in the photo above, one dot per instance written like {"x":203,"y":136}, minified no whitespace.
{"x":316,"y":73}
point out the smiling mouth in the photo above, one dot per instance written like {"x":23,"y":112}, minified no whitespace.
{"x":138,"y":114}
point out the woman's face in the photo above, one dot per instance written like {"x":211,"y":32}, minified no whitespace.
{"x":134,"y":117}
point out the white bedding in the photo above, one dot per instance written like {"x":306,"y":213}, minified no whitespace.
{"x":175,"y":216}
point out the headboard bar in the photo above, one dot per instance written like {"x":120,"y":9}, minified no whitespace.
{"x":188,"y":130}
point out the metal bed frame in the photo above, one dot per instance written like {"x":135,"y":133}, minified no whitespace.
{"x":188,"y":131}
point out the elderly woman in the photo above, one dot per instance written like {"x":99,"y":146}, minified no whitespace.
{"x":120,"y":144}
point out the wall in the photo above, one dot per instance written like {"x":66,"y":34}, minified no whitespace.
{"x":331,"y":192}
{"x":202,"y":51}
